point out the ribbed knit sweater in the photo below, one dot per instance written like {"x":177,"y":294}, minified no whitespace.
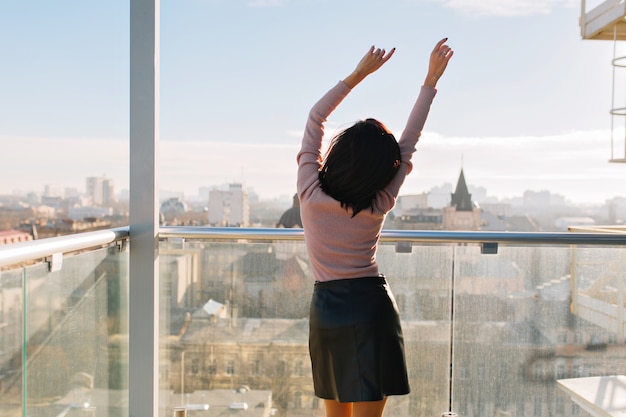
{"x":341,"y":246}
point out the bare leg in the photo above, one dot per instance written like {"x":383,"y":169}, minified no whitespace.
{"x":358,"y":409}
{"x":337,"y":409}
{"x":369,"y":408}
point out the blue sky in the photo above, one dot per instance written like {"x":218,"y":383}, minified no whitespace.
{"x":524,"y":104}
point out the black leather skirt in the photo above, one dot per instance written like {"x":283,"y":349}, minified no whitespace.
{"x":356,"y":342}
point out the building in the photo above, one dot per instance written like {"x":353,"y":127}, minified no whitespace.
{"x":100,"y":190}
{"x":13,"y":236}
{"x":229,"y":207}
{"x":266,"y":354}
{"x":412,"y":201}
{"x":414,"y":212}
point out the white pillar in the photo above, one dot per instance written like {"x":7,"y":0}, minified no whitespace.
{"x":144,"y":219}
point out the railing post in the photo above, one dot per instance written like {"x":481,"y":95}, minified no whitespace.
{"x":143,"y":264}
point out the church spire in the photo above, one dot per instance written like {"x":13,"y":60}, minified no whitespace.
{"x":461,"y":198}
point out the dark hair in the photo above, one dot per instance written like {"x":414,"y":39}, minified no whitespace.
{"x":361,"y":161}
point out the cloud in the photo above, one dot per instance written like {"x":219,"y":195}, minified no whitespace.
{"x":29,"y":163}
{"x":506,"y":8}
{"x":573,"y":164}
{"x":269,"y":169}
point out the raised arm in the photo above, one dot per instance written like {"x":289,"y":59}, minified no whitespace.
{"x":310,"y":155}
{"x":372,"y":61}
{"x":439,"y":58}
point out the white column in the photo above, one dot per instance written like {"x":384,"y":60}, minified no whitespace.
{"x":144,"y":223}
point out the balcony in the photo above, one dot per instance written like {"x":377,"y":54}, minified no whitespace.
{"x":144,"y":321}
{"x":491,"y":322}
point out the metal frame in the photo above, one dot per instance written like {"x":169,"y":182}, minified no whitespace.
{"x":425,"y":236}
{"x":40,"y":249}
{"x":617,"y":62}
{"x":607,"y":21}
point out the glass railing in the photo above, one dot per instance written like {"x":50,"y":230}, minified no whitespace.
{"x":491,"y":322}
{"x":64,"y":327}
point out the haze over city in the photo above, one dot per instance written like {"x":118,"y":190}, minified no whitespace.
{"x":524,"y":105}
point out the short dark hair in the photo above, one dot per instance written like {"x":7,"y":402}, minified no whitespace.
{"x":361,"y":161}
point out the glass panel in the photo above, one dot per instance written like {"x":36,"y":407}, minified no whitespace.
{"x":528,"y":316}
{"x":234,"y":316}
{"x":421,"y":283}
{"x":11,"y":336}
{"x":76,"y":337}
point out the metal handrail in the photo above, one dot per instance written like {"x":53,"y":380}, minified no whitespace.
{"x":423,"y":236}
{"x":38,"y":249}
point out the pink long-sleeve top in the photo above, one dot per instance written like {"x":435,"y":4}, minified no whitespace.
{"x":341,"y":246}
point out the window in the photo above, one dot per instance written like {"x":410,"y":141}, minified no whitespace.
{"x":195,"y":366}
{"x":254,"y":367}
{"x":211,"y":369}
{"x":230,"y":367}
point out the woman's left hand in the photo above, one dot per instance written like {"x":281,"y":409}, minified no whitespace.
{"x":371,"y":62}
{"x":439,"y":58}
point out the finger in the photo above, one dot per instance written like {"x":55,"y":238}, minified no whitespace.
{"x":444,"y":51}
{"x":386,"y":58}
{"x":438,"y":45}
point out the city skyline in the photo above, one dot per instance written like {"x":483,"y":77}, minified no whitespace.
{"x":479,"y":194}
{"x":524,"y":104}
{"x":432,"y":169}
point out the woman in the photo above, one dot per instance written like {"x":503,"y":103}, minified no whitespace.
{"x":355,"y":339}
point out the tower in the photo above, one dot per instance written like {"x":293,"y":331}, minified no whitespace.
{"x":462,"y":213}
